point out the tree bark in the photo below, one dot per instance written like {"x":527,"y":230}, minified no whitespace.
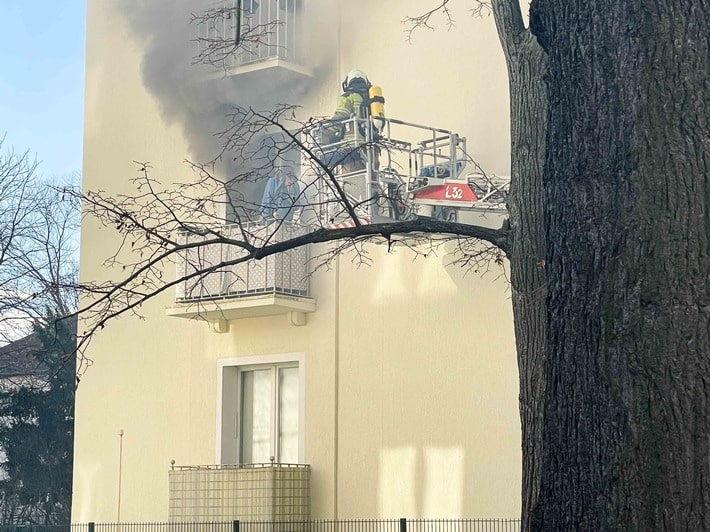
{"x":527,"y":65}
{"x":626,"y":427}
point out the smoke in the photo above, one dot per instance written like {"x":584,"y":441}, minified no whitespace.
{"x":199,"y":96}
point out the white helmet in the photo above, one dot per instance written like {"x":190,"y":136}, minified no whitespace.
{"x":355,"y":74}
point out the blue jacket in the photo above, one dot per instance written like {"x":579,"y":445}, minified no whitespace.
{"x":280,"y":200}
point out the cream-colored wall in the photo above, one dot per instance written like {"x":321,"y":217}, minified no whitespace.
{"x":453,"y":80}
{"x":427,"y":413}
{"x":411,"y":379}
{"x":139,"y":375}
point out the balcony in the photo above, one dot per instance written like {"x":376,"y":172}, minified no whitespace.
{"x":269,"y":35}
{"x":278,"y":284}
{"x":247,"y":492}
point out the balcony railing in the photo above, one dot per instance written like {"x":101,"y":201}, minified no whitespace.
{"x":277,"y":284}
{"x":268,"y":31}
{"x":284,"y":273}
{"x":320,"y":525}
{"x":249,"y":492}
{"x":275,"y":24}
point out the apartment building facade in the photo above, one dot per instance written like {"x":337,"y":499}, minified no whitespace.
{"x":390,"y":388}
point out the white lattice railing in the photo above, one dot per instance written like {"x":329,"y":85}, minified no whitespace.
{"x":283,"y":273}
{"x":269,"y":27}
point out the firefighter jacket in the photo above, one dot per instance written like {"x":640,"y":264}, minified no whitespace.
{"x":351,"y":103}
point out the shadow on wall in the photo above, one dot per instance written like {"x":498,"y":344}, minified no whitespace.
{"x":426,"y":482}
{"x":86,"y":482}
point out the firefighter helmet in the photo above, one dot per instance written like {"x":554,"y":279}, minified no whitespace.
{"x":353,"y":75}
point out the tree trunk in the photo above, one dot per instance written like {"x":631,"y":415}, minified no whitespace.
{"x":527,"y":65}
{"x":626,"y":427}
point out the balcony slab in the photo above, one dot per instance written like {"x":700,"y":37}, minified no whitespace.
{"x":251,"y":306}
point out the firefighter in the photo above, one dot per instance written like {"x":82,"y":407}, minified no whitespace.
{"x":354,"y":102}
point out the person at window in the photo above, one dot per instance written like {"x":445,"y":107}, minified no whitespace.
{"x":282,"y":199}
{"x":354,"y":103}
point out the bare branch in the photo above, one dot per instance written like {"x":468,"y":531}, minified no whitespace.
{"x":423,"y":21}
{"x":38,"y":245}
{"x":223,"y":215}
{"x":480,"y":8}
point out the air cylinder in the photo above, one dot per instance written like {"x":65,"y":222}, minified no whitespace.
{"x":377,"y":101}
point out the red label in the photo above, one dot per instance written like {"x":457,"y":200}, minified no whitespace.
{"x":448,"y":192}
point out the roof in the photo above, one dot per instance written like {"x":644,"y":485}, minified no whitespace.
{"x":20,"y":358}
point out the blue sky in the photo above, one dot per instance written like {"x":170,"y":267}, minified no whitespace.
{"x":42,"y":80}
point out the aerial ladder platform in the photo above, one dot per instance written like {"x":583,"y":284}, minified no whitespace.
{"x":392,"y":170}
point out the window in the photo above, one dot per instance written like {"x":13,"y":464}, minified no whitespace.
{"x":261,"y":413}
{"x":269,"y":420}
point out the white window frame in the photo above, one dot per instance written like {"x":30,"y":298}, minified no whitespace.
{"x":230,"y":405}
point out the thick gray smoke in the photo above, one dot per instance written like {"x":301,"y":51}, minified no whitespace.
{"x":198,"y":96}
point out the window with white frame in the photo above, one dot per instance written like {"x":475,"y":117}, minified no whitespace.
{"x":261,"y":413}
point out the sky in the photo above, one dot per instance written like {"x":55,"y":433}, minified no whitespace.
{"x":42,"y":81}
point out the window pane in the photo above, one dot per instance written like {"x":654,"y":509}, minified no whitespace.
{"x":257,"y":398}
{"x":288,"y":415}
